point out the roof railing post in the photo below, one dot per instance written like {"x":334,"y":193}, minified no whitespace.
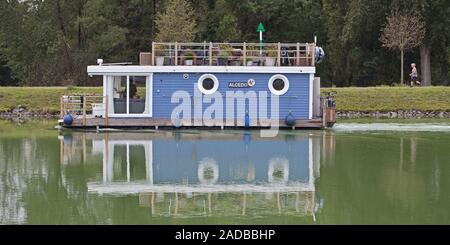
{"x":210,"y":53}
{"x":279,"y":54}
{"x":298,"y":55}
{"x":176,"y":53}
{"x":153,"y":54}
{"x":245,"y":54}
{"x":204,"y":53}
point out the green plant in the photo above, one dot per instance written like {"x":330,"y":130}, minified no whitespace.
{"x":225,"y":50}
{"x":271,"y":50}
{"x":252,"y":51}
{"x":159,"y":50}
{"x":278,"y":174}
{"x":189,"y":55}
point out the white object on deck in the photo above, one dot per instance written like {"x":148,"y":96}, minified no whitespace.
{"x":98,"y":110}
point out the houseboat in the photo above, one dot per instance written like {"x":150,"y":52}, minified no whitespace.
{"x":207,"y":85}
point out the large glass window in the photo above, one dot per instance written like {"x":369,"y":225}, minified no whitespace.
{"x":137,"y":95}
{"x":120,"y":95}
{"x":130,"y":95}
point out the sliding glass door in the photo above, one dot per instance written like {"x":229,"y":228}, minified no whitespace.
{"x":129,"y":96}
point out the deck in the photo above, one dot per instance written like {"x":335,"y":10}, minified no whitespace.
{"x":230,"y":54}
{"x":92,"y":122}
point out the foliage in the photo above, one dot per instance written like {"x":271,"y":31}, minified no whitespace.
{"x":271,"y":51}
{"x":159,"y":49}
{"x":189,"y":55}
{"x":403,"y":31}
{"x":49,"y":43}
{"x":176,"y":23}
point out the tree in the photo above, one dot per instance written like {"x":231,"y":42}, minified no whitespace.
{"x":403,"y":31}
{"x":177,"y":23}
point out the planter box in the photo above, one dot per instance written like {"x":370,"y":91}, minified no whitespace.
{"x":270,"y":61}
{"x":159,"y":61}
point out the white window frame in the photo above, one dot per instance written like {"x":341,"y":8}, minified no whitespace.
{"x":149,"y":95}
{"x":278,"y":92}
{"x":200,"y":84}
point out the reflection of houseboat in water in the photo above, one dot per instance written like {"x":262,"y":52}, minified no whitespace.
{"x":207,"y":84}
{"x":210,"y":173}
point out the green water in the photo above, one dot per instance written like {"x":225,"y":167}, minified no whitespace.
{"x":354,"y":174}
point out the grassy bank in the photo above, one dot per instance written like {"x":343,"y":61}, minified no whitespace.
{"x":46,"y":99}
{"x":39,"y":99}
{"x":392,"y":98}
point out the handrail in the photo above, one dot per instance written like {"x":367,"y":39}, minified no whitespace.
{"x":84,"y":106}
{"x":234,"y":54}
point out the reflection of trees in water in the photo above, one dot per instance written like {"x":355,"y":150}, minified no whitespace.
{"x":18,"y":161}
{"x":387,"y":178}
{"x":55,"y":192}
{"x":219,"y":204}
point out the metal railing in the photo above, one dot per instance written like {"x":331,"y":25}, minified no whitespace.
{"x":84,"y":106}
{"x":233,"y":54}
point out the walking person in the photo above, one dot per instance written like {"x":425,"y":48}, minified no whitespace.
{"x":414,"y":75}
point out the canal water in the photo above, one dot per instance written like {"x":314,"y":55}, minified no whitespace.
{"x":383,"y":173}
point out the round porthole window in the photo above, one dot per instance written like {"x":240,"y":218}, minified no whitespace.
{"x":208,"y":84}
{"x":278,"y":84}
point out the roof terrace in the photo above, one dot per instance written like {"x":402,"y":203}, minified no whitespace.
{"x":230,"y":54}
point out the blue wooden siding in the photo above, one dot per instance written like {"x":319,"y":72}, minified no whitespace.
{"x":178,"y":161}
{"x":295,"y":100}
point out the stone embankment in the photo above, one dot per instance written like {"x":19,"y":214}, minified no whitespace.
{"x":412,"y":114}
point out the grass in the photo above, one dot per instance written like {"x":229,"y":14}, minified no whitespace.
{"x":46,"y":99}
{"x":392,"y":98}
{"x":39,"y":99}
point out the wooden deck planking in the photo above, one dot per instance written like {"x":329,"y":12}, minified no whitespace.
{"x":150,"y":122}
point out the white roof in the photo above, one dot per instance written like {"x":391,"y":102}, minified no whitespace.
{"x":144,"y":70}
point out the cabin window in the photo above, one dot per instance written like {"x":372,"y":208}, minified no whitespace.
{"x":120,"y":94}
{"x":278,"y":84}
{"x":208,"y":84}
{"x":130,"y":95}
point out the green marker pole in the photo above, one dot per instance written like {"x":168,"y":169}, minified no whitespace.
{"x":260,"y":30}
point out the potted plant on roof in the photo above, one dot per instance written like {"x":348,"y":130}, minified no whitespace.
{"x":271,"y":55}
{"x":249,"y":61}
{"x":251,"y":53}
{"x":189,"y":57}
{"x":159,"y":54}
{"x":224,"y":54}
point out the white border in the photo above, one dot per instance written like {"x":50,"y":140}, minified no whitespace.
{"x":139,"y":70}
{"x":273,"y":90}
{"x":200,"y":84}
{"x":148,"y":89}
{"x":311,"y":91}
{"x":150,"y":84}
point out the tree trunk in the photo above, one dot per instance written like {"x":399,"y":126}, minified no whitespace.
{"x":425,"y":65}
{"x":402,"y":67}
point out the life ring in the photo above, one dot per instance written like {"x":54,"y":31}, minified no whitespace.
{"x":208,"y":171}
